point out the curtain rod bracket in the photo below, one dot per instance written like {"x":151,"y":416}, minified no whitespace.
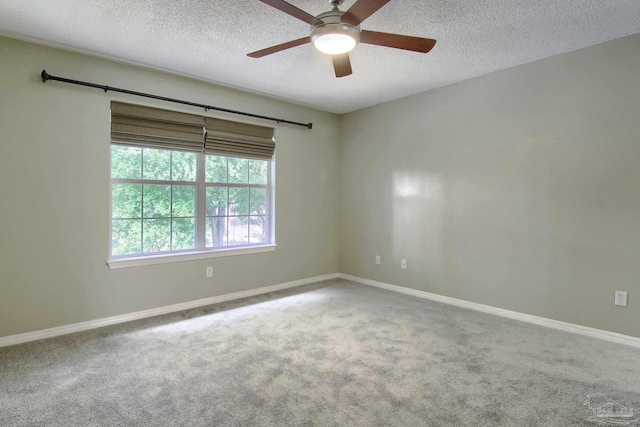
{"x":46,"y":76}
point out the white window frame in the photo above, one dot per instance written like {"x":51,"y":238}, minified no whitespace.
{"x":200,"y":251}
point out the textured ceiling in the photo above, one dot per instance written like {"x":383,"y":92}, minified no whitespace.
{"x":209,"y":39}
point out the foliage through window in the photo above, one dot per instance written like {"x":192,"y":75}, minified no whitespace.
{"x":166,"y":201}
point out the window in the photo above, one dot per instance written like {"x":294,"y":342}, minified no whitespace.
{"x":236,"y":201}
{"x":168,"y":201}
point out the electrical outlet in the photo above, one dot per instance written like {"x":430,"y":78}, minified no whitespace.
{"x":621,"y":298}
{"x":377,"y":259}
{"x":403,"y":264}
{"x":209,"y":271}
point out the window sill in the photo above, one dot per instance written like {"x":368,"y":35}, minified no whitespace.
{"x":189,"y":256}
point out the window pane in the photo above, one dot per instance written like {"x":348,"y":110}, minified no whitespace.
{"x":258,"y":205}
{"x":238,"y":230}
{"x":126,"y":162}
{"x":150,"y":217}
{"x":216,"y":169}
{"x":157,"y":201}
{"x":156,"y":235}
{"x":258,"y":172}
{"x":183,"y":166}
{"x":216,"y":201}
{"x":184,"y":234}
{"x":258,"y":229}
{"x":238,"y":170}
{"x":156,"y":164}
{"x":238,"y":201}
{"x":125,"y":237}
{"x":216,"y":232}
{"x":184,"y":201}
{"x":126,"y":200}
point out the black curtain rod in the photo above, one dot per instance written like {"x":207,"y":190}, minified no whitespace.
{"x":46,"y":76}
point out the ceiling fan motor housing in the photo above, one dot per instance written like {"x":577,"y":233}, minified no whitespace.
{"x":332,"y":25}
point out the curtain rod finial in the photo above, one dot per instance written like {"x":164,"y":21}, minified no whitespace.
{"x":44,"y":75}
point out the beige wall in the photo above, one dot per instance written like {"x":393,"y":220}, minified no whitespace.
{"x":519,"y":189}
{"x":54,"y":196}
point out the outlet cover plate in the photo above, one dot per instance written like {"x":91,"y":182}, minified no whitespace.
{"x":621,"y":299}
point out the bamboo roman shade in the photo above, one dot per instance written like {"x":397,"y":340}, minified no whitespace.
{"x":227,"y":138}
{"x":152,"y":127}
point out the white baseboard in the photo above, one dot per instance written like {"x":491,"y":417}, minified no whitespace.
{"x":536,"y":320}
{"x":98,"y":323}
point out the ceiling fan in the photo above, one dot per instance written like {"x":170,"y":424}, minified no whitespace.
{"x":336,"y":32}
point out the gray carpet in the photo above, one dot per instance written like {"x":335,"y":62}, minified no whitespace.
{"x":329,"y":354}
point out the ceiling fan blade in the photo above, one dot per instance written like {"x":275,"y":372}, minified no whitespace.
{"x":278,"y":48}
{"x":293,"y":11}
{"x":415,"y":44}
{"x":342,"y":65}
{"x":361,"y":10}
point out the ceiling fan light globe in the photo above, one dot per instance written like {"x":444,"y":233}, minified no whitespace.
{"x":334,"y":37}
{"x":335,"y":43}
